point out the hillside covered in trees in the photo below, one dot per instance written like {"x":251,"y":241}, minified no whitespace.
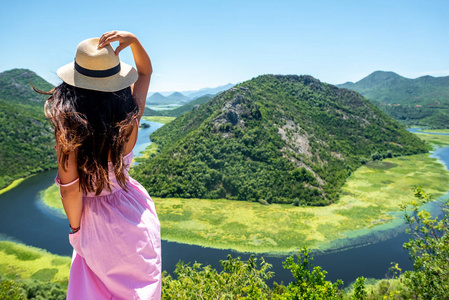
{"x":273,"y":139}
{"x":420,"y":101}
{"x":26,"y":137}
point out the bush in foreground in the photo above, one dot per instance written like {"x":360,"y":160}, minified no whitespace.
{"x":429,"y":250}
{"x":30,"y":289}
{"x":247,"y":280}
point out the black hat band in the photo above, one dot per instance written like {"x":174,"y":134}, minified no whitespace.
{"x":97,"y":73}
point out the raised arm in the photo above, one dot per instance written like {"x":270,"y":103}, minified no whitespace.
{"x":142,"y":60}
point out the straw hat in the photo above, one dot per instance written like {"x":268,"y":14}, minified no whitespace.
{"x":97,"y":69}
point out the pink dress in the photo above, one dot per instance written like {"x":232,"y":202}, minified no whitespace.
{"x":117,"y":252}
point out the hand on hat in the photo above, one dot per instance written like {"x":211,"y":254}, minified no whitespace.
{"x":124,"y":38}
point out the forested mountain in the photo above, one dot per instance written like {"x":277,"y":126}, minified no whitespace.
{"x":420,"y":101}
{"x":389,"y":87}
{"x":179,"y":110}
{"x":26,"y":137}
{"x":273,"y":138}
{"x":15,"y":87}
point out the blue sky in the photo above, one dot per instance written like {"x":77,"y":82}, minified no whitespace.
{"x":196,"y":44}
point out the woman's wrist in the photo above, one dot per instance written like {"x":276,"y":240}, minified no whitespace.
{"x":74,"y":229}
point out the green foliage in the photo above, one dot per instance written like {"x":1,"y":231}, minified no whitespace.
{"x":422,"y":101}
{"x":429,"y":250}
{"x":359,"y":289}
{"x":238,"y":280}
{"x":390,"y":87}
{"x":247,"y":280}
{"x":40,"y":290}
{"x":26,"y":137}
{"x":373,"y":289}
{"x":282,"y":139}
{"x":31,"y":289}
{"x":433,"y":117}
{"x":15,"y":87}
{"x":309,"y":281}
{"x":11,"y":290}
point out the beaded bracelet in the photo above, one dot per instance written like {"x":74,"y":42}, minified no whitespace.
{"x":74,"y":230}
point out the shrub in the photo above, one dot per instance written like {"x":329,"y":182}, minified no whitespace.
{"x":309,"y":281}
{"x":429,"y":249}
{"x":31,"y":289}
{"x":238,"y":280}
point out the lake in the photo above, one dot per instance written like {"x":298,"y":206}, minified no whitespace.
{"x":23,"y":218}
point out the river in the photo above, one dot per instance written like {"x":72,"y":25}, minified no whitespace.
{"x":23,"y":218}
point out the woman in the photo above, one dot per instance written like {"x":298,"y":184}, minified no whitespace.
{"x":115,"y":232}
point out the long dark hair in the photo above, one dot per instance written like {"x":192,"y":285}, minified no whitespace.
{"x":96,"y":127}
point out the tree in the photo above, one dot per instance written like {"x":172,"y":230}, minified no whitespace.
{"x":238,"y":280}
{"x":309,"y":281}
{"x":429,"y":249}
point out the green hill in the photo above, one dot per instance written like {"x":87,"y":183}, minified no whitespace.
{"x":15,"y":86}
{"x":389,"y":87}
{"x":274,"y":138}
{"x":26,"y":136}
{"x":420,"y":101}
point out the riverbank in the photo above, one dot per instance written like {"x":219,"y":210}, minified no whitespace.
{"x":369,"y":204}
{"x":14,"y":184}
{"x":51,"y":199}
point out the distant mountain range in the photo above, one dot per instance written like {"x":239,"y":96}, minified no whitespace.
{"x":176,"y":112}
{"x":182,"y":97}
{"x":173,"y":98}
{"x":205,"y":91}
{"x":274,"y":139}
{"x":421,"y":101}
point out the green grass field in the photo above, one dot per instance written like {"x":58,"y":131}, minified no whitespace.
{"x":19,"y":261}
{"x":436,"y":130}
{"x":159,"y":119}
{"x":436,"y":141}
{"x":52,"y":198}
{"x":369,"y":202}
{"x":149,"y":151}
